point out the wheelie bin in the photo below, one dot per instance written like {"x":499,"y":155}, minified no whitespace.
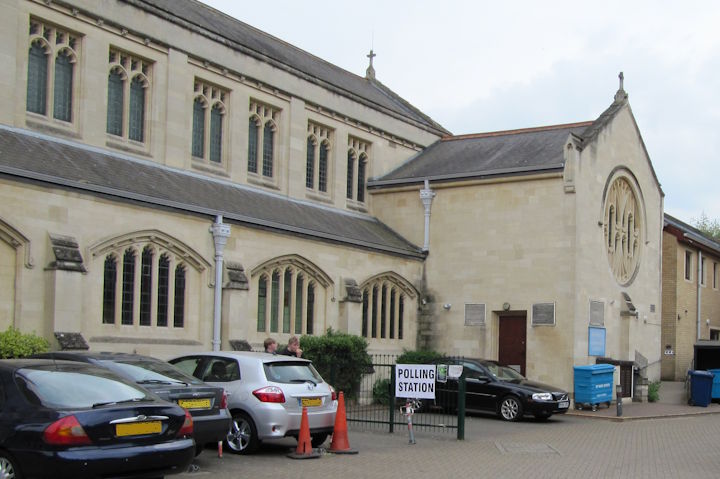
{"x":701,"y":383}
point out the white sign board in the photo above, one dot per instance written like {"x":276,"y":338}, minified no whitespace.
{"x":415,"y":381}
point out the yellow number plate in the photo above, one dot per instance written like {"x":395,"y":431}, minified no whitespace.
{"x":138,"y":428}
{"x":194,"y":403}
{"x":311,"y":402}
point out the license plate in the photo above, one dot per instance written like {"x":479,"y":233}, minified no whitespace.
{"x":311,"y":402}
{"x":194,"y":403}
{"x":564,"y":404}
{"x":138,"y":428}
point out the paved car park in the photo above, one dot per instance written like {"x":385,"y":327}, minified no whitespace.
{"x":567,"y":446}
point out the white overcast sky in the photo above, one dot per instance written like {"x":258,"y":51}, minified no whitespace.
{"x":479,"y":66}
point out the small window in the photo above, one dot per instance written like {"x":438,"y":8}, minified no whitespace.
{"x":268,"y":149}
{"x":207,"y":129}
{"x":253,"y":145}
{"x":688,"y":265}
{"x":137,"y":110}
{"x":51,"y":83}
{"x":116,"y":100}
{"x":350,"y":174}
{"x":310,"y":164}
{"x":702,"y":271}
{"x":37,"y":79}
{"x":62,"y":108}
{"x":127,"y":96}
{"x":262,"y":139}
{"x":109,"y":290}
{"x":715,"y":275}
{"x":179,"y":309}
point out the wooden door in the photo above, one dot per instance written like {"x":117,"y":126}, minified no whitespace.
{"x":513,"y":340}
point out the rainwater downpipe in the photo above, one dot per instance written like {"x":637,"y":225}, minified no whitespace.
{"x":426,"y":196}
{"x":220,"y":232}
{"x":699,"y":292}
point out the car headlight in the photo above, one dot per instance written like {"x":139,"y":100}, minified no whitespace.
{"x":542,"y":397}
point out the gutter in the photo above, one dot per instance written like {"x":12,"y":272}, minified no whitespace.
{"x":466,"y":176}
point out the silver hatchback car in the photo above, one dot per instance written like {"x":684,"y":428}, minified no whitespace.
{"x":266,"y":394}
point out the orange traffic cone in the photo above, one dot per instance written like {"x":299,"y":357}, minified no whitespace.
{"x":304,"y":448}
{"x":340,"y":444}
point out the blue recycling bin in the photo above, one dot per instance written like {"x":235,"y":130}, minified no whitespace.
{"x":593,"y":385}
{"x":701,"y":383}
{"x":715,"y":394}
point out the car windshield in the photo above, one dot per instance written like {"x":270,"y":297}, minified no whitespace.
{"x":148,"y":372}
{"x":76,"y":388}
{"x":292,"y":372}
{"x":503,"y":372}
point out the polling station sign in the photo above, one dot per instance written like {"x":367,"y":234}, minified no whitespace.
{"x":415,"y":381}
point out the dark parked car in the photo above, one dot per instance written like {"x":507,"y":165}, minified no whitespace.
{"x":206,"y":403}
{"x":503,"y":391}
{"x":61,"y":419}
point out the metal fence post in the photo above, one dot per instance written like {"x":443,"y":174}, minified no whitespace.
{"x":391,"y":400}
{"x":461,"y":408}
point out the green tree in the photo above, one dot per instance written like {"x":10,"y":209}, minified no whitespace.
{"x":14,"y":344}
{"x":341,"y":359}
{"x":709,"y":227}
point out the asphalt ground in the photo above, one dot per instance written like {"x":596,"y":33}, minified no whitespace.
{"x":566,"y":446}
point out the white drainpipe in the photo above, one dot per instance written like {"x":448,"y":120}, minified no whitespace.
{"x":699,"y":278}
{"x":220,"y":232}
{"x":427,"y":195}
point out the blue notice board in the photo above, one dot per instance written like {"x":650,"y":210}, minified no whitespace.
{"x":596,"y":341}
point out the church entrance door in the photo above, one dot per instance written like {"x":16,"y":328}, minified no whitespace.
{"x":513,"y":340}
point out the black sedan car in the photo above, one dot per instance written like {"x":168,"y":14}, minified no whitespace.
{"x":503,"y":391}
{"x":62,"y":419}
{"x":206,"y":403}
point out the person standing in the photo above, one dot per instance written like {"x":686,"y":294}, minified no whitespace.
{"x":292,"y":348}
{"x":270,"y":346}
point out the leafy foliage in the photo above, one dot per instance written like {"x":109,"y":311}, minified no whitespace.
{"x":381,"y":392}
{"x":709,"y":227}
{"x":340,"y":358}
{"x":423,"y":356}
{"x":654,"y":391}
{"x":14,"y":344}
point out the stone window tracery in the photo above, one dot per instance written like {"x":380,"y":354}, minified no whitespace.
{"x":128,"y":87}
{"x":291,"y":295}
{"x":384,"y":300}
{"x":623,"y":228}
{"x":209,"y":113}
{"x":318,"y":151}
{"x":262,"y":133}
{"x":52,"y":57}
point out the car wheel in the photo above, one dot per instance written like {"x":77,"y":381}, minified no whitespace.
{"x":8,"y":468}
{"x":242,"y":438}
{"x":511,"y":409}
{"x":318,"y":439}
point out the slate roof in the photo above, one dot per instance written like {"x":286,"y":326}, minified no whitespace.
{"x":26,"y":155}
{"x":238,"y":35}
{"x":690,"y":234}
{"x":487,"y":154}
{"x":503,"y":153}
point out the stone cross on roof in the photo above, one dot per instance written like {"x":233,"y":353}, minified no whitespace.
{"x":370,"y":72}
{"x":621,"y":93}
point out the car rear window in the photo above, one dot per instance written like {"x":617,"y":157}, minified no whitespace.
{"x":291,"y":372}
{"x":151,"y":372}
{"x":74,"y":388}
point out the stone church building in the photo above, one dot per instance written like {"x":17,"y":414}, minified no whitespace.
{"x":172,"y":179}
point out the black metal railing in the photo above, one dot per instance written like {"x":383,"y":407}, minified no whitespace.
{"x":375,"y":405}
